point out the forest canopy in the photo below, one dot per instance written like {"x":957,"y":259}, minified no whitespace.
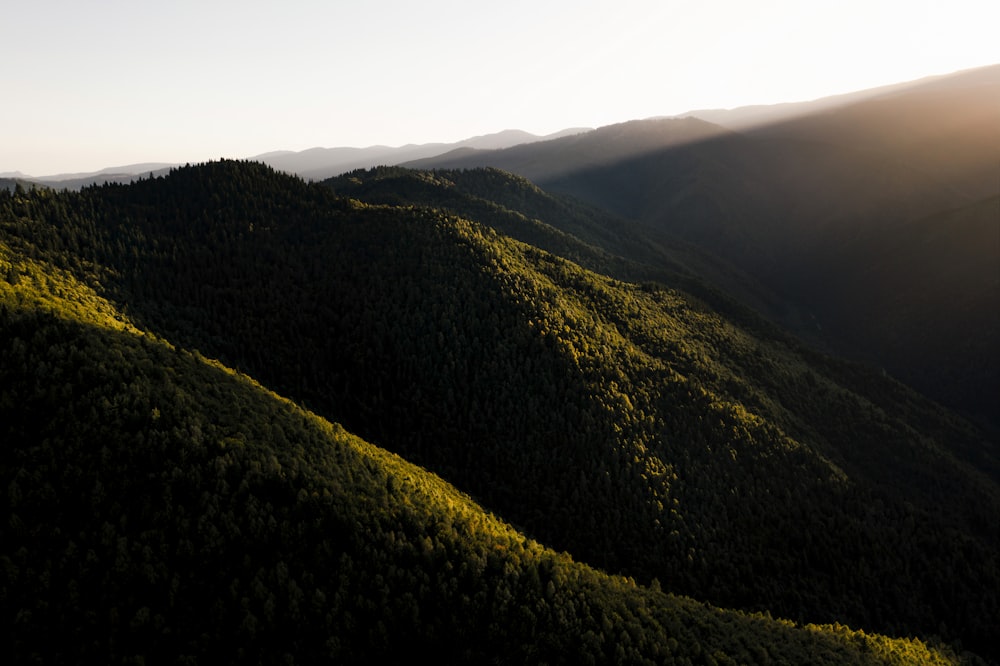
{"x":470,"y":445}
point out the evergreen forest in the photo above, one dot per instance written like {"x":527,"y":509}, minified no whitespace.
{"x":405,"y":414}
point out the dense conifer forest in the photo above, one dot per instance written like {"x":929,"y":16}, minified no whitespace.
{"x":872,"y":218}
{"x":251,"y":419}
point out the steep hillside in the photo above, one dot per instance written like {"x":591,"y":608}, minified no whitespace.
{"x":161,"y":507}
{"x":758,"y":116}
{"x":933,"y":296}
{"x":804,"y":206}
{"x":946,"y":127}
{"x":588,"y":236}
{"x":629,"y":424}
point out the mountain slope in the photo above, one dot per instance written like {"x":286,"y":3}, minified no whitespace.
{"x":587,"y":236}
{"x":936,"y":299}
{"x":802,"y":204}
{"x":162,"y":507}
{"x":750,"y":117}
{"x":628,"y":424}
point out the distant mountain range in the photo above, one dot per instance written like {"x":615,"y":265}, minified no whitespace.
{"x":74,"y":181}
{"x":312,"y":164}
{"x":320,"y":163}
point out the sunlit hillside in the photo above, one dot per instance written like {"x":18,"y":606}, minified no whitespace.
{"x":830,"y":210}
{"x":673,"y":448}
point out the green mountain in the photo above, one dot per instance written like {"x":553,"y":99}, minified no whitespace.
{"x":163,"y":504}
{"x":590,"y":237}
{"x":164,"y":508}
{"x":829,"y":211}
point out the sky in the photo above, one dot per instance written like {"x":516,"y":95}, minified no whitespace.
{"x":89,"y":85}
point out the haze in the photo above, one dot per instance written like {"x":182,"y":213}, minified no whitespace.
{"x":92,"y":85}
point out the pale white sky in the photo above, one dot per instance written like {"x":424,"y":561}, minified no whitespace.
{"x":90,"y":84}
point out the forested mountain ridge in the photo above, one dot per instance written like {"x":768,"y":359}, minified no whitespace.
{"x":590,"y":237}
{"x":163,"y":508}
{"x":628,"y":424}
{"x":803,"y":204}
{"x":600,"y":242}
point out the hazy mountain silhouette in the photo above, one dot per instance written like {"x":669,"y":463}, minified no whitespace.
{"x":748,"y":117}
{"x":320,"y":163}
{"x":542,"y":161}
{"x":120,"y":174}
{"x":312,"y":164}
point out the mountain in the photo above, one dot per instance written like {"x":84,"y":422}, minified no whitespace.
{"x":544,"y":160}
{"x":120,"y":174}
{"x":804,"y":206}
{"x":164,"y":507}
{"x":320,"y":163}
{"x":131,"y":169}
{"x":749,"y":117}
{"x":314,"y":163}
{"x":673,"y":439}
{"x":589,"y":236}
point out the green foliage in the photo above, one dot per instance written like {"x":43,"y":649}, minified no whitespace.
{"x":883,"y":249}
{"x":629,"y":424}
{"x":164,"y":508}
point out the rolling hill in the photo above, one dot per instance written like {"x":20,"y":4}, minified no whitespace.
{"x":608,"y":408}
